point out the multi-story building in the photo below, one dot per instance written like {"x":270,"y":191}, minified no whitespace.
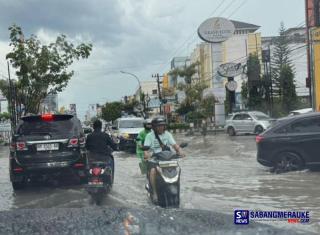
{"x":236,"y":49}
{"x":150,"y":89}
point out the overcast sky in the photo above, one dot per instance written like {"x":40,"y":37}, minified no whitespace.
{"x":138,"y":36}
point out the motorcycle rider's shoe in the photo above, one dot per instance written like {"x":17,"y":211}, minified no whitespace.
{"x":155,"y":199}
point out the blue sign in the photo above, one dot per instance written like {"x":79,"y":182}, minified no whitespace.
{"x":241,"y":217}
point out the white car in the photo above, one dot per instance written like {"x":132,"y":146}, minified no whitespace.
{"x":251,"y":122}
{"x":126,"y":130}
{"x":300,"y":111}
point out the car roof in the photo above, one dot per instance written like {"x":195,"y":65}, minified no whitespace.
{"x":301,"y":116}
{"x":250,"y":112}
{"x":130,"y":118}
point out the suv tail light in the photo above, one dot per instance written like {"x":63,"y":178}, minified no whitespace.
{"x":47,"y":117}
{"x":73,"y":142}
{"x":21,"y":146}
{"x":259,"y":138}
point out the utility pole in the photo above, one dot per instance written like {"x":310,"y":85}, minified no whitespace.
{"x":12,"y":101}
{"x":159,"y":90}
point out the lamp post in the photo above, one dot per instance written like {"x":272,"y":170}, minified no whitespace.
{"x":136,"y":77}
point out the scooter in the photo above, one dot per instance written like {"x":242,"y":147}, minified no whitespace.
{"x":167,"y":178}
{"x":100,"y":180}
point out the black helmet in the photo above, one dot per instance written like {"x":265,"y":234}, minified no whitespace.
{"x":157,"y":121}
{"x":97,"y":124}
{"x":147,"y":123}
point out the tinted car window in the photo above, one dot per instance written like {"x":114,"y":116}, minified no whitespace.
{"x":305,"y":125}
{"x":54,"y":127}
{"x":261,"y":116}
{"x":246,"y":117}
{"x":131,"y":124}
{"x":237,"y":117}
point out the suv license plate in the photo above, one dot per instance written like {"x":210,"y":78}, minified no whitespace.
{"x":47,"y":147}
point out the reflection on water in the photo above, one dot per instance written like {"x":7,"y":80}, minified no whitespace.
{"x":226,"y":176}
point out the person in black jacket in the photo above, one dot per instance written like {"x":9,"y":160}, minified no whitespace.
{"x":100,"y":145}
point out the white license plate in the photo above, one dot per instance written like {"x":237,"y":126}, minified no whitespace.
{"x":47,"y":147}
{"x":95,"y":183}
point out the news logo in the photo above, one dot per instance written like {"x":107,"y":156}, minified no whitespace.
{"x":241,"y":217}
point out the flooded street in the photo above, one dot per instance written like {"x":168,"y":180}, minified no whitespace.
{"x":219,"y":174}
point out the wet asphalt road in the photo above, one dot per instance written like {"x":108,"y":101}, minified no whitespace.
{"x":220,"y":174}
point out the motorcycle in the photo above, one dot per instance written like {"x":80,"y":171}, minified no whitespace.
{"x":167,"y":178}
{"x":100,"y":180}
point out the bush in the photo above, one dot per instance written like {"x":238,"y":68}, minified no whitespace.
{"x":179,"y":126}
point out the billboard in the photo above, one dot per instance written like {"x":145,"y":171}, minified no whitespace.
{"x":73,"y":109}
{"x":216,"y":29}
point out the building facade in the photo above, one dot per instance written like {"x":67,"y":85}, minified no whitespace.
{"x":236,"y":49}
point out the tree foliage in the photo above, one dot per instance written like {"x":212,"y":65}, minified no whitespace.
{"x":185,"y":72}
{"x":111,"y":111}
{"x":41,"y":69}
{"x":283,"y":72}
{"x":280,"y":58}
{"x":289,"y":97}
{"x":4,"y":116}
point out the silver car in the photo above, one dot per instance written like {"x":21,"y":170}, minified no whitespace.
{"x":252,"y":122}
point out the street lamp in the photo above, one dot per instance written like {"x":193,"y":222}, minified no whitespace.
{"x":136,"y":77}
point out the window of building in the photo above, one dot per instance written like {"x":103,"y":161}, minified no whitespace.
{"x":154,"y":92}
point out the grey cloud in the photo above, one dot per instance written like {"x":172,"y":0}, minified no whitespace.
{"x":99,"y":19}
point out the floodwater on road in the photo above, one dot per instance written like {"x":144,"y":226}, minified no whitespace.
{"x":220,"y":173}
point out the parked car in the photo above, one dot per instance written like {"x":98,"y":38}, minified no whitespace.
{"x":252,"y":122}
{"x":300,"y":111}
{"x":291,"y":144}
{"x":126,"y":131}
{"x":45,"y":145}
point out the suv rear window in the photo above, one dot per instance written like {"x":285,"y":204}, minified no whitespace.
{"x":34,"y":127}
{"x":131,"y":124}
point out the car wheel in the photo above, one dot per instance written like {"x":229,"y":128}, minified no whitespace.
{"x":288,"y":161}
{"x":258,"y":130}
{"x":231,"y":131}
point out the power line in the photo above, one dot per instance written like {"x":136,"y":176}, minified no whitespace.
{"x":194,"y":34}
{"x":241,"y":5}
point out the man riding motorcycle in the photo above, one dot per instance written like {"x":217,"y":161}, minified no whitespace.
{"x":100,"y":145}
{"x":158,"y":140}
{"x":140,"y":143}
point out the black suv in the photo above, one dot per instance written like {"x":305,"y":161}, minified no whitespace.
{"x":291,"y":144}
{"x":46,"y":144}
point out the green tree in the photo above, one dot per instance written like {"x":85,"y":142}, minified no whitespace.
{"x":280,"y":59}
{"x":41,"y":69}
{"x":4,"y":116}
{"x":255,"y":91}
{"x":185,"y":72}
{"x":289,"y":97}
{"x":112,"y":111}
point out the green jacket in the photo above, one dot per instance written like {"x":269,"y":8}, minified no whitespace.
{"x":140,"y":140}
